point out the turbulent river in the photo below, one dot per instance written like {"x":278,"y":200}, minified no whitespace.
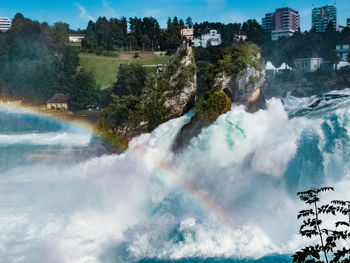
{"x":230,"y":196}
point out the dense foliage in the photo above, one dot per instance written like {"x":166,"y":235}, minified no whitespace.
{"x":216,"y":103}
{"x":105,"y":34}
{"x":125,"y":110}
{"x":36,"y":63}
{"x":236,"y":58}
{"x":329,"y":248}
{"x":231,"y":60}
{"x":84,"y":92}
{"x":144,"y":34}
{"x":303,"y":45}
{"x":131,"y":80}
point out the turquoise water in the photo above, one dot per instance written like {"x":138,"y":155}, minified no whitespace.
{"x":230,"y":196}
{"x":26,"y":138}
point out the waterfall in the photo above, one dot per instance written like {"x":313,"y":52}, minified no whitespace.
{"x":230,"y":195}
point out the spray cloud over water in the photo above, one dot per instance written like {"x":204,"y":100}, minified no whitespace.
{"x":230,"y":194}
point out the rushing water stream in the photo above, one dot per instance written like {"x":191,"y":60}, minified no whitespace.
{"x":229,"y":197}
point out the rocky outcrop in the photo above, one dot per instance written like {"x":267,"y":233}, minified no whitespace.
{"x":245,"y":88}
{"x":168,"y":94}
{"x":182,"y":88}
{"x":241,"y":82}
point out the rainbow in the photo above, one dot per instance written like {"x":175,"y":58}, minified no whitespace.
{"x":35,"y":110}
{"x":199,"y":195}
{"x":165,"y":167}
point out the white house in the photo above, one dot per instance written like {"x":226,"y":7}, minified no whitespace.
{"x":310,"y":64}
{"x":76,"y":38}
{"x":213,"y":38}
{"x":5,"y":24}
{"x":343,"y":50}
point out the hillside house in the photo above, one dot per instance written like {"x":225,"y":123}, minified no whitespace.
{"x":58,"y":102}
{"x":311,"y":64}
{"x":187,"y":33}
{"x":5,"y":24}
{"x":76,"y":38}
{"x":213,"y":38}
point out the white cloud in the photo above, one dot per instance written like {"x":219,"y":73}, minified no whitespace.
{"x":84,"y":13}
{"x":108,"y":8}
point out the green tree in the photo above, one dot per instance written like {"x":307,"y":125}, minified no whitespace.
{"x":328,"y":249}
{"x":131,"y":80}
{"x":84,"y":92}
{"x":90,"y":41}
{"x":35,"y":61}
{"x":104,"y":34}
{"x":60,"y":32}
{"x":189,"y":22}
{"x":254,"y":32}
{"x":173,"y":35}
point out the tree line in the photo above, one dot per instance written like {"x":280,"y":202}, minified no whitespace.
{"x":146,"y":34}
{"x":143,"y":34}
{"x":36,"y":63}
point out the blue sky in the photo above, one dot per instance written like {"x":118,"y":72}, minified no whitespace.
{"x":78,"y":12}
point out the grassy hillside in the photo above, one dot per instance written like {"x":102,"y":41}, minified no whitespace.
{"x":105,"y":69}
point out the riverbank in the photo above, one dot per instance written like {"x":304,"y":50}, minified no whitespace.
{"x":85,"y":118}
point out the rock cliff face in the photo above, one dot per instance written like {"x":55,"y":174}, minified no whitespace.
{"x":245,"y":88}
{"x":182,"y":88}
{"x":173,"y":91}
{"x":240,"y":74}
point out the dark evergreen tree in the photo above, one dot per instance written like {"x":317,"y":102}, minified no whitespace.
{"x":189,"y":22}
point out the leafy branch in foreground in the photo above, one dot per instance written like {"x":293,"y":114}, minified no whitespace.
{"x":329,"y":249}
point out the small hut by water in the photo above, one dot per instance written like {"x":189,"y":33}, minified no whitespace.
{"x":58,"y":102}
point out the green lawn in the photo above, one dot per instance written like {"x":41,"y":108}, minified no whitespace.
{"x":105,"y":69}
{"x":154,"y":60}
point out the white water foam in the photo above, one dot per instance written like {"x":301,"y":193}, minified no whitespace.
{"x":122,"y":208}
{"x":50,"y":138}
